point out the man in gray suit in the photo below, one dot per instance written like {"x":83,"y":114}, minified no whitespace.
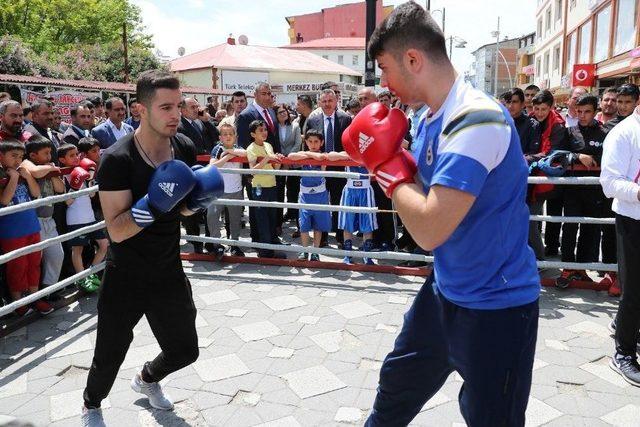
{"x":331,"y":122}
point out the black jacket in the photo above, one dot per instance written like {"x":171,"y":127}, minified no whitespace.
{"x":244,"y":119}
{"x":587,"y":140}
{"x":528,"y":132}
{"x":204,"y":136}
{"x":612,"y":123}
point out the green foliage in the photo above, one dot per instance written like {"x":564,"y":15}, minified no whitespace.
{"x":55,"y":26}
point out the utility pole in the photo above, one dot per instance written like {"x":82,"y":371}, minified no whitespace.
{"x":428,"y":5}
{"x":126,"y":52}
{"x":495,"y":69}
{"x":370,"y":63}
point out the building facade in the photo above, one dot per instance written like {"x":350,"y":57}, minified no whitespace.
{"x":525,"y":68}
{"x":482,"y":75}
{"x":346,"y":51}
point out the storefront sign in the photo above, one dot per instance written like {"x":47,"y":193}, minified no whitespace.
{"x":245,"y":81}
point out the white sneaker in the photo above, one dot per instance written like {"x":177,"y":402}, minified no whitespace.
{"x":153,"y":391}
{"x":92,"y":417}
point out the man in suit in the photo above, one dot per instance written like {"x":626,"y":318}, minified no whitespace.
{"x":331,"y":122}
{"x":239,"y":103}
{"x":260,"y":109}
{"x":203,"y":134}
{"x":81,"y":123}
{"x":114,"y":128}
{"x":42,"y":121}
{"x":304,"y":107}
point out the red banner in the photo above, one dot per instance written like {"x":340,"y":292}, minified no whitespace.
{"x":584,"y":75}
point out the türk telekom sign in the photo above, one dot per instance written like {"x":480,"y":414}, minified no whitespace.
{"x":63,"y":100}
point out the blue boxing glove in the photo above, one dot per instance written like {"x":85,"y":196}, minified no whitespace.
{"x":172,"y":181}
{"x":209,"y":186}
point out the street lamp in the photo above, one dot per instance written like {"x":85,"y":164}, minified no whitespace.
{"x":443,"y":11}
{"x":460,"y":44}
{"x":496,"y":34}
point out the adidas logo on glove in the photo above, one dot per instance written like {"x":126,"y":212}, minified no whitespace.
{"x":167,"y":187}
{"x":364,"y":141}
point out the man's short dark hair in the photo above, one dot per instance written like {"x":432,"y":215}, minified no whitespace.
{"x":313,"y":132}
{"x":64,"y":149}
{"x":37,"y":143}
{"x":384,"y":93}
{"x":306,"y":100}
{"x":95,"y":100}
{"x":328,"y":85}
{"x":39,"y":103}
{"x":150,"y":81}
{"x":588,"y":99}
{"x":82,"y":104}
{"x":505,"y":96}
{"x":543,"y":97}
{"x":4,"y":105}
{"x":532,"y":87}
{"x":255,"y":125}
{"x":629,"y":89}
{"x":238,"y":94}
{"x":26,"y":110}
{"x":131,"y":102}
{"x":612,"y":89}
{"x":516,"y":91}
{"x":87,"y":143}
{"x":109,"y":102}
{"x":408,"y":26}
{"x":11,"y":145}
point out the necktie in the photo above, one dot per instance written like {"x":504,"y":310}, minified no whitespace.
{"x":269,"y":122}
{"x":329,"y":137}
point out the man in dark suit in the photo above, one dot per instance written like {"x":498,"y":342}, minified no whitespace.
{"x":203,"y":134}
{"x":81,"y":123}
{"x":331,"y":122}
{"x":260,"y":109}
{"x":41,"y":122}
{"x":114,"y":127}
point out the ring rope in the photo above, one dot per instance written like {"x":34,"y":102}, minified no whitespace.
{"x":47,"y":201}
{"x":49,"y":242}
{"x":564,"y":180}
{"x":573,"y":219}
{"x":50,"y":289}
{"x":296,"y":172}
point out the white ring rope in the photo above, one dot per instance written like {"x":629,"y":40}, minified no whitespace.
{"x":308,"y":206}
{"x":573,"y":219}
{"x":47,"y":201}
{"x":49,"y":242}
{"x":50,"y":289}
{"x":296,"y":172}
{"x":564,"y":180}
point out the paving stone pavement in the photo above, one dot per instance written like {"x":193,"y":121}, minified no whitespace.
{"x":281,"y":346}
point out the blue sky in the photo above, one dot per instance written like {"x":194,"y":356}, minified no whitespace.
{"x":198,"y":24}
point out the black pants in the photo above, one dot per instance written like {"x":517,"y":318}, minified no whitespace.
{"x":581,"y":201}
{"x":293,"y":192}
{"x":386,"y":232}
{"x":253,"y":223}
{"x":191,"y":225}
{"x":170,"y":311}
{"x":335,"y":186}
{"x":608,"y":243}
{"x":281,"y":185}
{"x":266,"y":219}
{"x":552,"y":229}
{"x":628,"y":317}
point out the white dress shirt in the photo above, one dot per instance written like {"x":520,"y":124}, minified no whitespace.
{"x":118,"y":133}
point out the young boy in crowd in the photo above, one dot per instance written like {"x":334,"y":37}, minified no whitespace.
{"x":80,"y":213}
{"x":313,"y":190}
{"x":38,"y":163}
{"x":20,"y":229}
{"x":263,"y":187}
{"x":220,"y":157}
{"x":89,"y":148}
{"x":357,"y":193}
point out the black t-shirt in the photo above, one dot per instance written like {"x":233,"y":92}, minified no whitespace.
{"x":155,"y":251}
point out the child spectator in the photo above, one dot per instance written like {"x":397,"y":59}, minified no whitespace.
{"x":89,"y":148}
{"x":357,"y":193}
{"x":263,"y":187}
{"x":20,"y":229}
{"x":38,"y":163}
{"x":313,"y":190}
{"x":220,"y":157}
{"x":80,"y":213}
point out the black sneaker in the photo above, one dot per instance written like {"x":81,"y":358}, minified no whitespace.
{"x":236,"y":251}
{"x":627,"y":367}
{"x":216,"y":250}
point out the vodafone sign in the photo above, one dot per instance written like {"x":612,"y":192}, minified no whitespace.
{"x":584,"y":75}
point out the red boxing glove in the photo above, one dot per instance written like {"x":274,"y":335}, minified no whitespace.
{"x":77,"y":177}
{"x":374,"y":139}
{"x":88,"y":165}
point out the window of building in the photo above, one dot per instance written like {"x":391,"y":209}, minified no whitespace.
{"x":626,"y":26}
{"x":556,"y":58}
{"x":585,"y":44}
{"x":540,"y":28}
{"x":340,"y":59}
{"x":546,"y":63}
{"x":601,"y":46}
{"x":558,"y":10}
{"x":571,"y":51}
{"x":355,"y":60}
{"x":547,"y":21}
{"x":538,"y":69}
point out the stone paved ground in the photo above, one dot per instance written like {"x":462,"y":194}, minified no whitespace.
{"x":282,"y":347}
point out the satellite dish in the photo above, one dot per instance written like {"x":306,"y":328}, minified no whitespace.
{"x":244,"y":40}
{"x":181,"y":50}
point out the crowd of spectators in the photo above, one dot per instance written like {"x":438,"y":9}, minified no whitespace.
{"x":41,"y":155}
